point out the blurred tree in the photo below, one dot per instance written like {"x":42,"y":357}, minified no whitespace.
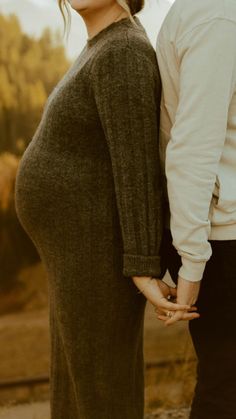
{"x":29,"y":69}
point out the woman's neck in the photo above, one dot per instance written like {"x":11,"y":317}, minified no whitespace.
{"x":99,"y":20}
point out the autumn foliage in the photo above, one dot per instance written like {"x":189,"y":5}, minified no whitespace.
{"x":29,"y":70}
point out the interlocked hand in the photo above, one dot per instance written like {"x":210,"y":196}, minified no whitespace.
{"x":159,"y":294}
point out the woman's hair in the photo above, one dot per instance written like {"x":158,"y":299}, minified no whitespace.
{"x":130,"y":6}
{"x":64,"y":8}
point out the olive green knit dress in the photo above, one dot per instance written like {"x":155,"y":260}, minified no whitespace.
{"x":88,"y":195}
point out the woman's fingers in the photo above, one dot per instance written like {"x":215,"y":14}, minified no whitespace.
{"x":178,"y":315}
{"x":160,"y":312}
{"x":170,"y":321}
{"x":164,"y":312}
{"x":167,"y":305}
{"x":162,"y":317}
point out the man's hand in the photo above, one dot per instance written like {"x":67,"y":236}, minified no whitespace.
{"x":187,"y":293}
{"x":167,"y":290}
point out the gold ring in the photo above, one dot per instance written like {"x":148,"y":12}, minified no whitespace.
{"x":169,"y":314}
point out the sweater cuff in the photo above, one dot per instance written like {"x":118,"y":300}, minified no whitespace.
{"x":135,"y":265}
{"x":192,"y":271}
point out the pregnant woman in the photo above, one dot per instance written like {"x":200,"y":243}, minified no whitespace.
{"x":88,"y":194}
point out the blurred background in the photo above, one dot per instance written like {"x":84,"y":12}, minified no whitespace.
{"x":33,"y":58}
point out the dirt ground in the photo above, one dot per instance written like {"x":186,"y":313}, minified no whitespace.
{"x":41,"y":411}
{"x":31,"y":411}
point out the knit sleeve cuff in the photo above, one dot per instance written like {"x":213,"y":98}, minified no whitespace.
{"x":135,"y":265}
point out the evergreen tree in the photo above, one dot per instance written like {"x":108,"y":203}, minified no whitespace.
{"x":29,"y":69}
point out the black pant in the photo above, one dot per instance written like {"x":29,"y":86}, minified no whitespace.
{"x":214,"y":333}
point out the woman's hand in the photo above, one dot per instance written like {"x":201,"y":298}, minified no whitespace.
{"x":187,"y":293}
{"x":157,"y":292}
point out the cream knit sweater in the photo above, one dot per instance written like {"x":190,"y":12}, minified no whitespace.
{"x":196,"y":50}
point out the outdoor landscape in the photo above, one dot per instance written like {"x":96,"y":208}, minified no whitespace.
{"x":30,"y":67}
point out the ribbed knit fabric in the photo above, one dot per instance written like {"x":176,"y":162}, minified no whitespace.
{"x":88,"y":194}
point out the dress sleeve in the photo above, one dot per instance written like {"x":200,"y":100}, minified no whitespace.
{"x":126,"y":88}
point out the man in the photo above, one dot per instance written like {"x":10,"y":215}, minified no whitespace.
{"x":196,"y":51}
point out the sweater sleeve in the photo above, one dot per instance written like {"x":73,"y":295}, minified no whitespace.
{"x":207,"y":59}
{"x":127,"y":92}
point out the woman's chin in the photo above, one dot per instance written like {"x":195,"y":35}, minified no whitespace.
{"x":79,"y":5}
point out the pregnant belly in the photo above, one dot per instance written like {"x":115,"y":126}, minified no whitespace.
{"x":46,"y":193}
{"x":60,"y":198}
{"x":36,"y":192}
